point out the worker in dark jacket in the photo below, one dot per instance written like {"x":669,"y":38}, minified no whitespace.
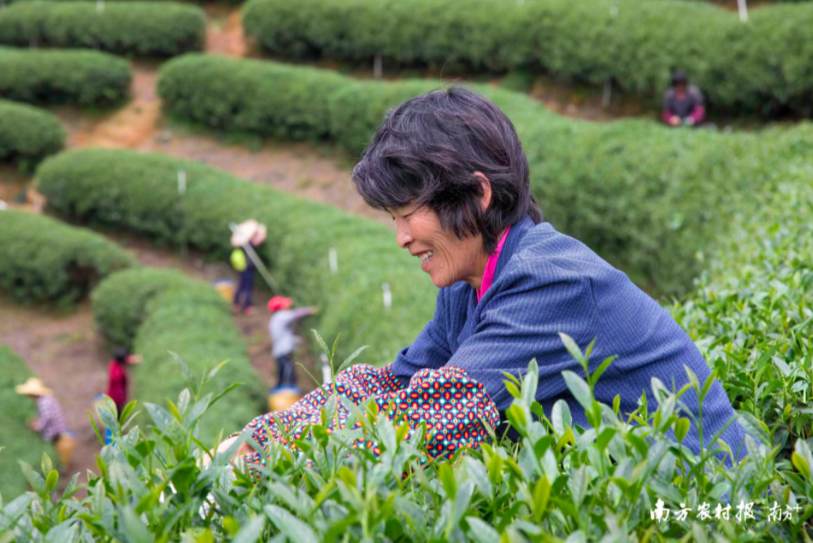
{"x":683,"y":104}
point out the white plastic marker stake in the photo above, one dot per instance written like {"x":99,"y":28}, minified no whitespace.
{"x":181,"y":182}
{"x":99,"y":6}
{"x":327,"y":376}
{"x":378,"y":69}
{"x":333,"y":259}
{"x":743,"y":9}
{"x":3,"y":205}
{"x":257,"y":262}
{"x":607,"y":96}
{"x":387,"y":295}
{"x":182,"y":191}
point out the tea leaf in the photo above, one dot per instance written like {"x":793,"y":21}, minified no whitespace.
{"x":293,"y":528}
{"x":251,"y":531}
{"x":579,"y":388}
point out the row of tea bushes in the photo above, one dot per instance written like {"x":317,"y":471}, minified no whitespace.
{"x":86,"y":78}
{"x":155,"y":312}
{"x":17,"y":440}
{"x":139,"y":192}
{"x":44,"y":260}
{"x":160,"y":29}
{"x":628,"y":189}
{"x":759,"y":67}
{"x":28,"y":134}
{"x":751,"y":311}
{"x":621,"y":480}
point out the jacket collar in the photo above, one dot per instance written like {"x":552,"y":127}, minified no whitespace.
{"x":518,"y":231}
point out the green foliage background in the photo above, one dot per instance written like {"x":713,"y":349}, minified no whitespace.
{"x":64,"y":77}
{"x":44,"y":260}
{"x":758,"y":68}
{"x":130,"y":28}
{"x":28,"y":134}
{"x":627,"y":188}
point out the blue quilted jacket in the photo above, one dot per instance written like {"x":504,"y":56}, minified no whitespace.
{"x":546,"y":283}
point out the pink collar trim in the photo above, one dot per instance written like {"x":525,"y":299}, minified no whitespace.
{"x":491,"y":266}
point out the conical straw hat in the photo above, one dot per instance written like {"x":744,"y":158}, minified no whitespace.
{"x":33,"y":387}
{"x":245,"y":232}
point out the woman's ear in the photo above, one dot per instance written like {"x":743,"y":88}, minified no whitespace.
{"x":485,"y":200}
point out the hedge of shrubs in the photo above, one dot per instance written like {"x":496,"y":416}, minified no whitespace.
{"x":627,"y":188}
{"x":751,"y":310}
{"x":139,"y":192}
{"x":43,"y":260}
{"x":17,"y":440}
{"x":759,"y":67}
{"x":155,"y":311}
{"x":131,"y":28}
{"x":28,"y":134}
{"x":86,"y":78}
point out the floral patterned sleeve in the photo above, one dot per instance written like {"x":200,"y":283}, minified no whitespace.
{"x":454,"y":407}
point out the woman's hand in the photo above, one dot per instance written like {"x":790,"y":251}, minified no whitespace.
{"x":245,"y":448}
{"x":134,"y":359}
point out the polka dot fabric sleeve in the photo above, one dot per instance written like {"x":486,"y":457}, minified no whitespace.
{"x":453,"y":406}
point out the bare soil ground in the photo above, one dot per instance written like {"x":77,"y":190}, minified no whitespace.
{"x":12,"y":183}
{"x":63,"y":348}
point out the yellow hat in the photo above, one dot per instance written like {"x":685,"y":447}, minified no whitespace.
{"x":33,"y":387}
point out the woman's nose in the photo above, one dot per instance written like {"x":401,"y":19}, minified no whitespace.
{"x":403,"y":236}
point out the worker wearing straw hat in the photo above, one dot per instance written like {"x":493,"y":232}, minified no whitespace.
{"x":51,"y":422}
{"x":246,"y":234}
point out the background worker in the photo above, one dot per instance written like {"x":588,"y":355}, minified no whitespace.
{"x":246,"y":235}
{"x":51,"y":421}
{"x":283,"y":339}
{"x":117,"y":376}
{"x":683,"y":104}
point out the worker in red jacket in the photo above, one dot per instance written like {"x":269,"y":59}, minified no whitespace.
{"x":117,"y":376}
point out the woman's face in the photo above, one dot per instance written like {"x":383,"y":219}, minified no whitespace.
{"x":445,"y":257}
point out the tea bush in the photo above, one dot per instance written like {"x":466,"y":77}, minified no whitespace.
{"x":757,"y":67}
{"x":28,"y":134}
{"x":139,"y":192}
{"x":17,"y":440}
{"x":66,"y":77}
{"x":752,"y":309}
{"x":628,"y":189}
{"x":604,"y":483}
{"x":43,"y":260}
{"x":156,"y":311}
{"x":130,"y":28}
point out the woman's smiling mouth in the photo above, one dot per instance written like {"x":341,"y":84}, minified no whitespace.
{"x":425,"y":258}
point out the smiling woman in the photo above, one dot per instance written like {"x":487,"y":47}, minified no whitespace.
{"x":449,"y":167}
